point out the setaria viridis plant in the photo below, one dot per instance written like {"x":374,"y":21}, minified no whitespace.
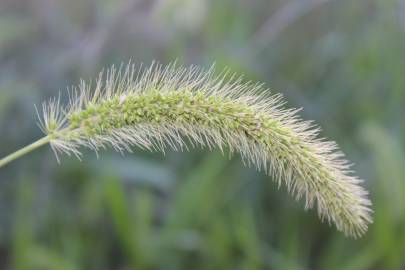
{"x":158,"y":107}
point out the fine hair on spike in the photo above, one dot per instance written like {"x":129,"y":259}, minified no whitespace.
{"x":160,"y":107}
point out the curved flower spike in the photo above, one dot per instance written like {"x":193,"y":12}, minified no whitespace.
{"x":159,"y":107}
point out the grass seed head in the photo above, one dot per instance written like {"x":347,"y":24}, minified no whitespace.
{"x":158,"y":107}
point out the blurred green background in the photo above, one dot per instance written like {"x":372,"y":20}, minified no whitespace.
{"x":342,"y":61}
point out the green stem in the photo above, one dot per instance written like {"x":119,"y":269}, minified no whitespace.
{"x":24,"y":150}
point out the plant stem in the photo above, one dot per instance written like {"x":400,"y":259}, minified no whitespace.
{"x":24,"y":150}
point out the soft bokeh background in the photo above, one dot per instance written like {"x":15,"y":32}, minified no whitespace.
{"x":342,"y":60}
